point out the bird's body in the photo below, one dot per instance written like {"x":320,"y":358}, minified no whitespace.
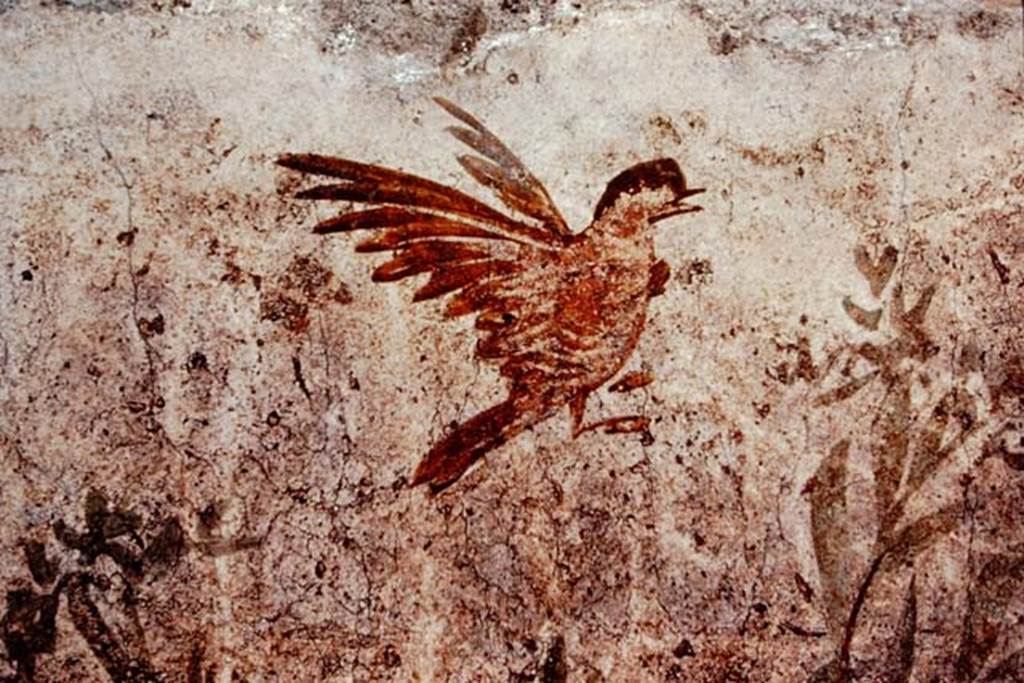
{"x":596,"y":293}
{"x":559,"y":313}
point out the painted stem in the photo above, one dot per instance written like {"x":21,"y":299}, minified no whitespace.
{"x":851,"y":622}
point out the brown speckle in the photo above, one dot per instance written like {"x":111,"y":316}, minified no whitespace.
{"x":1001,"y":270}
{"x":152,"y":327}
{"x":472,"y":28}
{"x":983,"y":24}
{"x":282,"y":308}
{"x":683,"y":649}
{"x":726,"y":43}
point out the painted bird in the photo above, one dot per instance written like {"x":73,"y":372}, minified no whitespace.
{"x":559,"y":312}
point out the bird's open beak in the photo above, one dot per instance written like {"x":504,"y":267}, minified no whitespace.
{"x":679,"y":206}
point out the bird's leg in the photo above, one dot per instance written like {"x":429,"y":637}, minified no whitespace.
{"x":632,"y":381}
{"x":625,"y":424}
{"x":577,"y":407}
{"x":658,"y":278}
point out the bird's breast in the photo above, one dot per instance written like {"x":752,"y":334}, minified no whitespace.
{"x":602,"y":306}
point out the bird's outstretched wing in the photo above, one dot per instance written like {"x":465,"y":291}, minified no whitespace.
{"x":497,"y":267}
{"x":503,"y":173}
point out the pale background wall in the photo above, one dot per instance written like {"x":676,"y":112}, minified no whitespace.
{"x":161,"y":297}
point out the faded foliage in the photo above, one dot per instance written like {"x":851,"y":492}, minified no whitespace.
{"x":827,"y":493}
{"x":172,"y":334}
{"x":1000,"y":580}
{"x":906,"y":637}
{"x":907,"y":448}
{"x":103,"y":601}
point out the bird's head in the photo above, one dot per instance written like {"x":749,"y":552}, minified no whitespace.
{"x":652,"y":190}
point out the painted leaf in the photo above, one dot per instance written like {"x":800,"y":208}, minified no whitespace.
{"x":929,"y":452}
{"x":123,"y":661}
{"x":28,"y":627}
{"x":906,"y":632}
{"x":1000,"y":579}
{"x":867,"y":319}
{"x":827,"y":492}
{"x":844,"y":391}
{"x":166,"y":548}
{"x":43,"y":569}
{"x":916,"y":537}
{"x":908,"y":323}
{"x":915,"y":316}
{"x":879,"y":271}
{"x":889,"y":451}
{"x":554,"y":669}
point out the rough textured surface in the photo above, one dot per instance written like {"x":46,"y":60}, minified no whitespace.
{"x":208,"y":415}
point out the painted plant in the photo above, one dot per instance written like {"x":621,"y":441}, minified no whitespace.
{"x":880,"y":497}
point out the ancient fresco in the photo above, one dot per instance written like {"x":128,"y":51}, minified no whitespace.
{"x":250,"y":302}
{"x":560,"y":314}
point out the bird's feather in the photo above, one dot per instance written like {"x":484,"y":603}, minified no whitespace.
{"x":454,"y":454}
{"x":504,"y":174}
{"x":493,"y":265}
{"x":371,"y":184}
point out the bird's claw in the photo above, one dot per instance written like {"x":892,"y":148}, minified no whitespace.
{"x":627,"y":424}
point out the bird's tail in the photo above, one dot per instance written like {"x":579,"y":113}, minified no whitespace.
{"x":452,"y":456}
